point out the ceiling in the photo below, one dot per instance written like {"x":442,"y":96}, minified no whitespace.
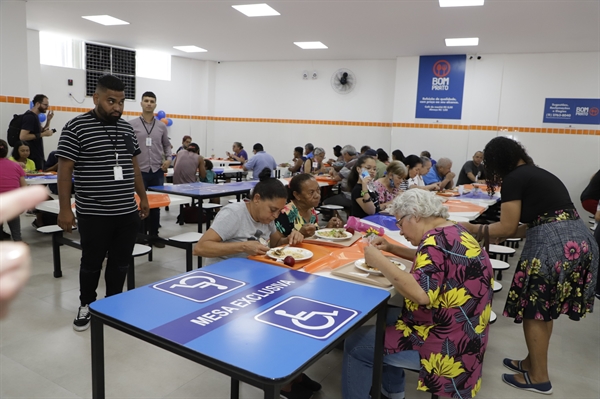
{"x":367,"y":29}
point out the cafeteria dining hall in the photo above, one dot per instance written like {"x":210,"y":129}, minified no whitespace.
{"x":290,"y":241}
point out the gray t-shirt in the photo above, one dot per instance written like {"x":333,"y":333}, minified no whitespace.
{"x":234,"y":224}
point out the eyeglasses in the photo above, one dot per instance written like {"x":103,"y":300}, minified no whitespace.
{"x":399,"y":222}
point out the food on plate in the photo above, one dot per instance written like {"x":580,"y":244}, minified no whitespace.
{"x":289,"y":260}
{"x":288,"y":252}
{"x":394,"y":261}
{"x":333,"y":233}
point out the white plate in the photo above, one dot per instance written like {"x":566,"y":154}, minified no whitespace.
{"x":297,"y":253}
{"x":360,"y":264}
{"x":320,"y":234}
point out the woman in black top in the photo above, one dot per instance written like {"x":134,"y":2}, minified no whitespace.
{"x":365,"y":200}
{"x":590,"y":196}
{"x":557,"y":271}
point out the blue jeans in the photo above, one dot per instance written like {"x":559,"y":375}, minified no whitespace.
{"x":357,"y":366}
{"x":154,"y":179}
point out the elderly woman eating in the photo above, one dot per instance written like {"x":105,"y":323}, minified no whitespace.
{"x":442,"y":330}
{"x":299,"y":214}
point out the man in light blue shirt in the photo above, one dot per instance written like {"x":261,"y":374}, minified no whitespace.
{"x":308,"y":150}
{"x":259,"y":161}
{"x":441,"y":173}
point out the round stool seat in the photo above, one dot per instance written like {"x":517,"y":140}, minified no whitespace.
{"x":210,"y":205}
{"x":513,"y":239}
{"x":497,"y":286}
{"x":232,"y":201}
{"x":139,"y":250}
{"x":493,"y":317}
{"x":501,"y":249}
{"x":332,"y":207}
{"x":499,"y":265}
{"x":53,"y":228}
{"x":187,"y":237}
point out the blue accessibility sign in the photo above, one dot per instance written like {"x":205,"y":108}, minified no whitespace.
{"x":308,"y":317}
{"x":199,"y":286}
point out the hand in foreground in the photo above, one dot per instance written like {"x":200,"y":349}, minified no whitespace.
{"x":165,"y":165}
{"x":295,"y":237}
{"x":372,"y":256}
{"x":255,"y":248}
{"x":15,"y":259}
{"x":335,"y":222}
{"x":308,"y":230}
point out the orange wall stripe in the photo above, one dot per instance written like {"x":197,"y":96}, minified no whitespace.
{"x":405,"y":125}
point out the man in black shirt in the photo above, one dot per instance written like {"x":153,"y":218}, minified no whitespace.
{"x":32,"y":131}
{"x":472,"y":171}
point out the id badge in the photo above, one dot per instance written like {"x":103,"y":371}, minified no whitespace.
{"x":148,"y":141}
{"x":118,"y":172}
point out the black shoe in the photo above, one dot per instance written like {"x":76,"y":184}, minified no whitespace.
{"x":4,"y":236}
{"x":82,"y":321}
{"x":157,"y":241}
{"x":309,"y":384}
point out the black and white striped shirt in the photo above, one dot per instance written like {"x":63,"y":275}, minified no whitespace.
{"x":93,"y":145}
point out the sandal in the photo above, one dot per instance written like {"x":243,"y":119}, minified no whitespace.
{"x":544,"y":388}
{"x":508,"y":363}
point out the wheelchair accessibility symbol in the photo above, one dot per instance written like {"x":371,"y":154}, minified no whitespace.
{"x":199,"y":286}
{"x":308,"y":317}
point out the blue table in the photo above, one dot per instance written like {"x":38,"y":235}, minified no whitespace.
{"x":201,"y":191}
{"x":257,"y":323}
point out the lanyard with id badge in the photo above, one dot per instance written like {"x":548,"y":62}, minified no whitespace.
{"x":148,"y":139}
{"x":117,"y":169}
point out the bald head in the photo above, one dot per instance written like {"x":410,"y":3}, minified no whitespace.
{"x":478,"y":158}
{"x":444,"y":166}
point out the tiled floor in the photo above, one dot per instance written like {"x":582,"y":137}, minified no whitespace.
{"x":42,"y":357}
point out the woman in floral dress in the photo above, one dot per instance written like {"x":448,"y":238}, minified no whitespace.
{"x":442,"y":330}
{"x":557,"y":271}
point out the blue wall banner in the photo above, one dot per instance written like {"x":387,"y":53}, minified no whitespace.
{"x":440,"y":87}
{"x":582,"y":111}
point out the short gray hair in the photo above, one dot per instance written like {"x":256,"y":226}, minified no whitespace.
{"x":318,"y":151}
{"x":444,"y":162}
{"x":418,"y":203}
{"x":425,"y":160}
{"x":349,"y":149}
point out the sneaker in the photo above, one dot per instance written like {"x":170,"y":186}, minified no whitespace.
{"x":82,"y":321}
{"x":157,"y":241}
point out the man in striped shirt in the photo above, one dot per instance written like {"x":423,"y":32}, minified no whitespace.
{"x":99,"y":149}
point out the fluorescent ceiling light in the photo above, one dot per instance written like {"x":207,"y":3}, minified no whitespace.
{"x":310,"y":45}
{"x":256,"y":10}
{"x":465,"y":41}
{"x":106,"y":20}
{"x":190,"y":49}
{"x":460,"y":3}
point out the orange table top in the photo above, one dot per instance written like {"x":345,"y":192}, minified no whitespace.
{"x":324,"y":257}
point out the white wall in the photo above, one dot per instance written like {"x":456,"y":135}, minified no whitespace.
{"x":506,"y":90}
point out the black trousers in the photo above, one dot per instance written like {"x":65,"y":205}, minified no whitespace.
{"x":154,"y":179}
{"x":111,"y":237}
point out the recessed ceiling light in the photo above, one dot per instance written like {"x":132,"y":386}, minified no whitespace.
{"x":256,"y":10}
{"x":465,"y":41}
{"x":106,"y":20}
{"x":310,"y":45}
{"x":190,"y":49}
{"x":461,"y":3}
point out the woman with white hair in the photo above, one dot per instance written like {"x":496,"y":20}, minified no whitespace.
{"x":442,"y":330}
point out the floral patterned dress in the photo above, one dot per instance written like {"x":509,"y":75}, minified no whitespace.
{"x":290,"y":219}
{"x":451,"y":333}
{"x":384,"y":194}
{"x":557,"y":271}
